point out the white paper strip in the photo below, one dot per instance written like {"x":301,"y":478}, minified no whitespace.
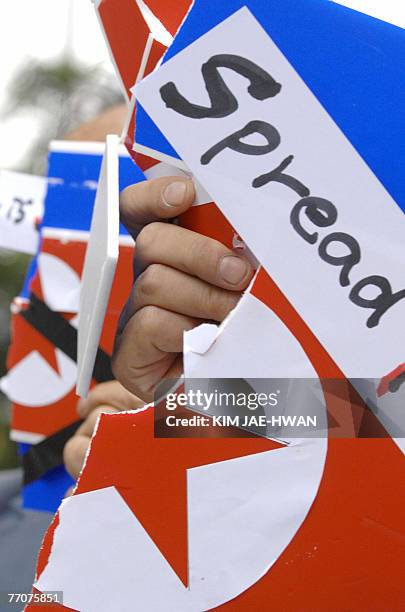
{"x":21,"y":208}
{"x":324,"y":161}
{"x":100,"y":264}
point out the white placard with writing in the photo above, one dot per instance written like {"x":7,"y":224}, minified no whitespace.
{"x":21,"y":208}
{"x":298,"y":241}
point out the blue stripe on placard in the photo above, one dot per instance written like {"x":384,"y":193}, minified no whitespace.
{"x":69,"y":205}
{"x":353,"y":63}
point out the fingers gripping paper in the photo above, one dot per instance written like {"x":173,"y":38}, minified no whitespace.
{"x":267,"y":227}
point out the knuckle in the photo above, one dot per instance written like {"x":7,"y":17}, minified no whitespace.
{"x":209,"y":301}
{"x":148,"y":319}
{"x":146,"y":322}
{"x":126,"y":200}
{"x":218,"y":303}
{"x":148,"y":283}
{"x":206,"y":253}
{"x":119,"y":367}
{"x":147,"y":238}
{"x":128,"y":368}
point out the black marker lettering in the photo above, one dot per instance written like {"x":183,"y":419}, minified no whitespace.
{"x":223,"y":102}
{"x":234,"y":141}
{"x":346,"y":261}
{"x":381,"y":303}
{"x":319,"y":211}
{"x":277,"y":176}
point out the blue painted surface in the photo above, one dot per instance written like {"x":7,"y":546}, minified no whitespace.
{"x":353,"y":63}
{"x":70,"y":205}
{"x":46,"y":493}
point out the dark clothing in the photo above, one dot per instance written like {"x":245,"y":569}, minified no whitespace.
{"x":21,"y":533}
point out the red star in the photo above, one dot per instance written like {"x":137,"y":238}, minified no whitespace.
{"x":151,"y":474}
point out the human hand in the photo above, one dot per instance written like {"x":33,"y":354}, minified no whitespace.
{"x":107,"y":397}
{"x":181,"y":280}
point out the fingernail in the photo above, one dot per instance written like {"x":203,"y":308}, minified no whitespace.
{"x":175,"y":193}
{"x":233,"y":269}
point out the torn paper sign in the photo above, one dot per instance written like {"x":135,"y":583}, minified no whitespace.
{"x":44,"y":319}
{"x":291,"y":184}
{"x":137,"y":33}
{"x":42,"y":360}
{"x":234,"y":350}
{"x":218,"y":359}
{"x":45,"y":327}
{"x":21,"y":208}
{"x":41,"y":376}
{"x":240,"y":512}
{"x":50,"y":385}
{"x":222,"y":496}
